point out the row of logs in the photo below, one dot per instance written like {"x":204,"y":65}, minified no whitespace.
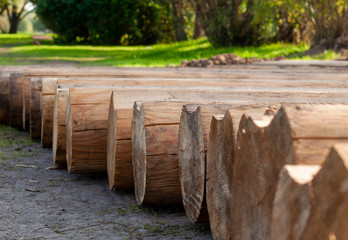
{"x":176,"y":138}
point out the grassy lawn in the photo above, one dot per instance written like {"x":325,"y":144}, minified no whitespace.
{"x":18,"y":49}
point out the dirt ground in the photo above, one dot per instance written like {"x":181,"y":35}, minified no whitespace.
{"x":36,"y":203}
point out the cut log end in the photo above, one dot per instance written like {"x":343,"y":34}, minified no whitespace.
{"x":220,"y":161}
{"x":111,"y":144}
{"x":59,"y":127}
{"x":139,"y":152}
{"x":192,"y":157}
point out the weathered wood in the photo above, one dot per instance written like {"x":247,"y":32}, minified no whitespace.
{"x":245,"y":81}
{"x":35,"y":108}
{"x":26,"y":103}
{"x":49,"y":86}
{"x":155,"y":129}
{"x":4,"y":99}
{"x":59,"y":128}
{"x":119,"y":159}
{"x":298,"y":134}
{"x":219,"y":166}
{"x":341,"y":230}
{"x":16,"y":100}
{"x":88,"y":107}
{"x":308,"y":201}
{"x":193,"y":146}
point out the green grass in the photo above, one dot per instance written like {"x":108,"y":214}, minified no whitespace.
{"x":19,"y":50}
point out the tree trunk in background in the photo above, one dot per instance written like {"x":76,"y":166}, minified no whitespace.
{"x":14,"y":24}
{"x":178,"y":19}
{"x":14,"y":18}
{"x":199,"y":30}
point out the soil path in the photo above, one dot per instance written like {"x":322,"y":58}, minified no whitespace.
{"x":36,"y":203}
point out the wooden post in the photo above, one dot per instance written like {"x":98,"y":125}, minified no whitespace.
{"x":35,"y":109}
{"x":16,"y":100}
{"x":308,"y":201}
{"x":193,"y":147}
{"x":298,"y":134}
{"x":59,"y":128}
{"x":155,"y":129}
{"x":219,"y":166}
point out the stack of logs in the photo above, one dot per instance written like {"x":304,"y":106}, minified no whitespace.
{"x":258,"y":151}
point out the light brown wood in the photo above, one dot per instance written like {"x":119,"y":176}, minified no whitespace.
{"x":219,"y":166}
{"x":49,"y":86}
{"x":4,"y":99}
{"x":193,"y":147}
{"x":308,"y":201}
{"x":265,"y":80}
{"x":268,"y":70}
{"x":16,"y":100}
{"x":155,"y":129}
{"x":59,"y":128}
{"x":262,"y":150}
{"x":88,"y":107}
{"x":119,"y":159}
{"x":35,"y":109}
{"x":341,"y":230}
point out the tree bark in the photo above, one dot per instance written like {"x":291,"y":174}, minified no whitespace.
{"x":198,"y":30}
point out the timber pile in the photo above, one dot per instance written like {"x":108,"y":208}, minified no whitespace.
{"x":238,"y":147}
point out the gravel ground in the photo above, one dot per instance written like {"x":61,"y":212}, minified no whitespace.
{"x":36,"y":203}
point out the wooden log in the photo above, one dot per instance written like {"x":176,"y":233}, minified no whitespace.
{"x":4,"y":99}
{"x":59,"y":128}
{"x":298,"y":134}
{"x":16,"y":100}
{"x":97,"y":102}
{"x":119,"y":159}
{"x":47,"y":107}
{"x":155,"y":129}
{"x":193,"y":147}
{"x":341,"y":230}
{"x":35,"y":109}
{"x":308,"y":201}
{"x":219,"y":165}
{"x":50,"y":85}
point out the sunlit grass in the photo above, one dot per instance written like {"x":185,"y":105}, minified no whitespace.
{"x":155,"y":56}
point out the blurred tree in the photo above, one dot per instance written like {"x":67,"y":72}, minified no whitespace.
{"x":178,"y":20}
{"x":231,"y":22}
{"x":15,"y":12}
{"x":198,"y":30}
{"x":107,"y":21}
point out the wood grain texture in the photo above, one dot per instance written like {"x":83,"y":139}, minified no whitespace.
{"x":35,"y":109}
{"x":59,"y":128}
{"x":219,"y":166}
{"x":264,"y":148}
{"x":155,"y":129}
{"x":16,"y":100}
{"x":310,"y":200}
{"x":4,"y":99}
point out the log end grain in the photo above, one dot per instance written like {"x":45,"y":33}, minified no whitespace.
{"x":220,"y":160}
{"x":192,"y":162}
{"x":139,"y":152}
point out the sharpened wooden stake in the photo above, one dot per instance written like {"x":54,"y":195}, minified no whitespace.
{"x":219,"y":167}
{"x":308,"y":201}
{"x":298,"y":134}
